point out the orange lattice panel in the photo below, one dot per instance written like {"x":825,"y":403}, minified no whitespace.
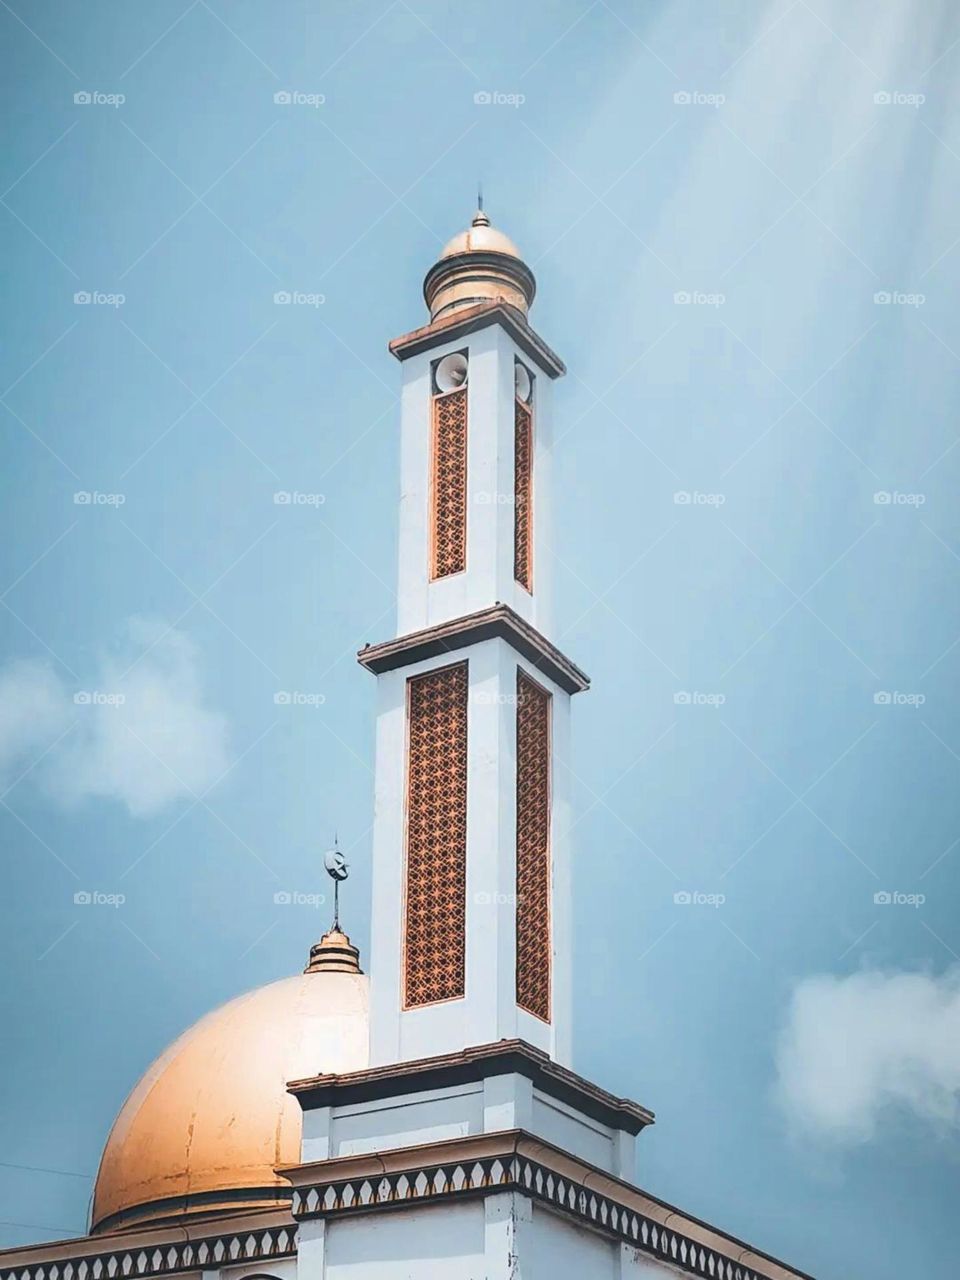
{"x":533,"y":847}
{"x":434,"y":944}
{"x":522,"y":495}
{"x":448,"y":551}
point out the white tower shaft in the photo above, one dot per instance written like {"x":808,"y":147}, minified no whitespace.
{"x":471,"y":862}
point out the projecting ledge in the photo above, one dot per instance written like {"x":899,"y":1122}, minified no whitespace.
{"x":461,"y":323}
{"x":501,"y":622}
{"x":470,"y":1066}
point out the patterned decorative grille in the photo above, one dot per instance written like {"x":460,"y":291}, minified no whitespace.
{"x":435,"y":913}
{"x":533,"y":847}
{"x":449,"y":485}
{"x":522,"y":485}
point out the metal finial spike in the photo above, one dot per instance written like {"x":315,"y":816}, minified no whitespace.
{"x":480,"y":219}
{"x":334,"y":953}
{"x":336,"y":868}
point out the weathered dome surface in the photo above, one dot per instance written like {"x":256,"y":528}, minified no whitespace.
{"x":480,"y":237}
{"x":211,"y":1119}
{"x":480,"y":265}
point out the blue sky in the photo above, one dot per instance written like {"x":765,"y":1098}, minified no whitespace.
{"x":757,"y":557}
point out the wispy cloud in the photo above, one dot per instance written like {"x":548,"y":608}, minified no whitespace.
{"x":858,"y":1047}
{"x":140,"y":734}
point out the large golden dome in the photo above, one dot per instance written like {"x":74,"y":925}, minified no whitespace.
{"x":209,"y":1122}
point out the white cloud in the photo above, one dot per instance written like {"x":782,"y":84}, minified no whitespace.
{"x":143,"y":736}
{"x":854,"y":1048}
{"x":33,"y":713}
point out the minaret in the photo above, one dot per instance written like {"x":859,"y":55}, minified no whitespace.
{"x":471,"y":864}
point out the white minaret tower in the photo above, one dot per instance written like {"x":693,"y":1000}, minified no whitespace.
{"x":468,"y":1149}
{"x":471,"y":864}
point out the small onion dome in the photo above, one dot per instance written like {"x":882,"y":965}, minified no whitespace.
{"x":334,"y":953}
{"x":479,"y":265}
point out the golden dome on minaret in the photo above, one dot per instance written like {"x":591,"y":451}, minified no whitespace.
{"x":210,"y":1121}
{"x":479,"y":236}
{"x":478,"y":265}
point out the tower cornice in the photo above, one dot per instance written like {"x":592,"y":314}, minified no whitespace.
{"x":497,"y":622}
{"x":459,"y":324}
{"x":470,"y":1066}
